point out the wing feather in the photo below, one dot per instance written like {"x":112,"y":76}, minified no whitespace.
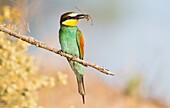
{"x":80,"y":43}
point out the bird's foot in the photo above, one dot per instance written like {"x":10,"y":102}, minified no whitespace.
{"x":59,"y":51}
{"x":70,"y":59}
{"x":85,"y":65}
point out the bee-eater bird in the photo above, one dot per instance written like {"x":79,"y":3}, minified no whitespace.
{"x":72,"y":42}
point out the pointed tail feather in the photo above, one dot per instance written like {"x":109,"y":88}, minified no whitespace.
{"x":81,"y":88}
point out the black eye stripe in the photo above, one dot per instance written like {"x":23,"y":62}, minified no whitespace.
{"x":68,"y":17}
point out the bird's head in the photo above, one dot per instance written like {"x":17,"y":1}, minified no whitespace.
{"x":71,"y":18}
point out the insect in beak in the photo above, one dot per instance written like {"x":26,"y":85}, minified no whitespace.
{"x":84,"y":16}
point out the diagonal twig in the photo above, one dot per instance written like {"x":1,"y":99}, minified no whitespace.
{"x":40,"y":44}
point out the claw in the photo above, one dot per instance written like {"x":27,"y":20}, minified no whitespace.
{"x":59,"y":51}
{"x":70,"y":59}
{"x":85,"y":65}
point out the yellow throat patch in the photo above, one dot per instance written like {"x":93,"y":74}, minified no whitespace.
{"x":70,"y":22}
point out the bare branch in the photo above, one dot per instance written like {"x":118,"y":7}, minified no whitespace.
{"x":45,"y":46}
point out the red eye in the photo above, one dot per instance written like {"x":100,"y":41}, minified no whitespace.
{"x":68,"y":17}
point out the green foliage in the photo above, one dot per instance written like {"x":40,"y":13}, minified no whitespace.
{"x":133,"y":86}
{"x":19,"y":80}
